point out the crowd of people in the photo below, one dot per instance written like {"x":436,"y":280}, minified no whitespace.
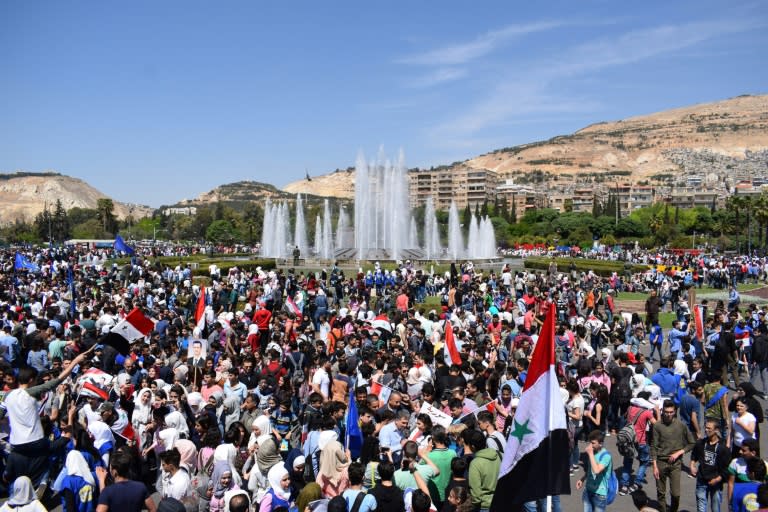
{"x":240,"y":398}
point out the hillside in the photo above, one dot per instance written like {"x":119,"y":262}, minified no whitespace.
{"x":24,"y":194}
{"x":340,"y":183}
{"x":241,"y":193}
{"x":671,"y":142}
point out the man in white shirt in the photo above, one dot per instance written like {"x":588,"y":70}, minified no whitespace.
{"x":29,"y":446}
{"x":321,"y":380}
{"x":176,"y":481}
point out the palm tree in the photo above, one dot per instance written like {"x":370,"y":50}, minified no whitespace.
{"x":760,"y":207}
{"x":736,"y":204}
{"x":655,"y":223}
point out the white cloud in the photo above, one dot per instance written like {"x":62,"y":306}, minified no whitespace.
{"x":438,"y":76}
{"x":462,"y":53}
{"x":531,"y":91}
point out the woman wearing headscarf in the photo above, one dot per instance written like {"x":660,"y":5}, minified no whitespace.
{"x":188,"y":453}
{"x":177,"y":421}
{"x":222,"y":481}
{"x":23,"y":498}
{"x":332,"y":475}
{"x":294,"y":464}
{"x":260,"y":426}
{"x":227,"y":453}
{"x":279,"y":493}
{"x":267,"y":455}
{"x":311,"y":492}
{"x":78,"y":487}
{"x":142,"y":416}
{"x":103,"y":440}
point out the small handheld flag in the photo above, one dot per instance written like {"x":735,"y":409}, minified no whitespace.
{"x":135,"y":325}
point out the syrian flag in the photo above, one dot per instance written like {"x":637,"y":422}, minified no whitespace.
{"x":135,"y":325}
{"x":698,"y":319}
{"x":291,"y":307}
{"x":381,"y":391}
{"x":200,"y":310}
{"x":535,"y":463}
{"x":95,"y":383}
{"x":451,"y":349}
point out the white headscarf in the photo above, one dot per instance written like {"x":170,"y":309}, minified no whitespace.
{"x":275,"y":475}
{"x":142,"y":413}
{"x":228,"y":452}
{"x":101,"y":433}
{"x":176,"y":420}
{"x":23,"y":492}
{"x":77,"y":466}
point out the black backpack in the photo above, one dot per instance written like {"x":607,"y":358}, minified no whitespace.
{"x":623,"y":388}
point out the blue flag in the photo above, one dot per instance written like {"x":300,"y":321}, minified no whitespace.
{"x":23,"y":263}
{"x":354,"y":436}
{"x":121,"y":246}
{"x":71,"y":285}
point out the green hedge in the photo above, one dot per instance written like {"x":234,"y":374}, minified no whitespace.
{"x":599,"y":267}
{"x":225,"y":265}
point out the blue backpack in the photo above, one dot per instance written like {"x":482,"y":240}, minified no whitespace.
{"x":613,"y":487}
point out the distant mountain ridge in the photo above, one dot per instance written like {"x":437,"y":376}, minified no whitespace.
{"x":25,"y":194}
{"x":635,"y":148}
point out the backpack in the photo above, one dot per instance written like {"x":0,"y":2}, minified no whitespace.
{"x":500,"y":446}
{"x":358,"y":502}
{"x":626,"y":439}
{"x":297,"y":374}
{"x":623,"y":388}
{"x":613,"y":487}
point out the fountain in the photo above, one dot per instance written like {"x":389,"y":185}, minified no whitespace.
{"x":455,"y":237}
{"x":383,"y":229}
{"x":300,"y":233}
{"x":432,"y":248}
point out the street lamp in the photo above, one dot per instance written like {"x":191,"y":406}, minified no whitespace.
{"x":155,"y":230}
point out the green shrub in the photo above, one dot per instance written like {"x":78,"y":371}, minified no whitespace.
{"x":599,"y":267}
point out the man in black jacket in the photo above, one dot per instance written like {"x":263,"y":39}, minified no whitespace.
{"x":709,"y":464}
{"x":760,"y":355}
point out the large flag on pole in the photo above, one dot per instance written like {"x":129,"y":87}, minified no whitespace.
{"x":451,"y":349}
{"x":535,"y":463}
{"x":698,"y":318}
{"x":135,"y":325}
{"x":121,"y":246}
{"x":200,"y":310}
{"x":21,"y":262}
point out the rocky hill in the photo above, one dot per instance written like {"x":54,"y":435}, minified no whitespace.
{"x":693,"y":139}
{"x":241,"y":193}
{"x":24,"y":194}
{"x":340,"y":183}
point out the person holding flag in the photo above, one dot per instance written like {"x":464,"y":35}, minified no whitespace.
{"x":535,"y":463}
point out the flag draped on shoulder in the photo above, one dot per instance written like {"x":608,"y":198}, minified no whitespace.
{"x":535,"y":463}
{"x":135,"y":325}
{"x":451,"y":349}
{"x":121,"y":246}
{"x":21,"y":262}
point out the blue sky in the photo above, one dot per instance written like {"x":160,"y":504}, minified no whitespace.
{"x":153,"y":102}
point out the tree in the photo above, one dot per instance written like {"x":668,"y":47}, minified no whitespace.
{"x":466,"y":217}
{"x":513,"y":212}
{"x":666,"y":214}
{"x":655,"y":224}
{"x":106,"y":215}
{"x":221,"y":231}
{"x":61,"y":227}
{"x":677,"y":215}
{"x":477,"y":210}
{"x":484,"y":209}
{"x":43,"y":225}
{"x":597,"y":208}
{"x":761,"y":217}
{"x":631,"y":228}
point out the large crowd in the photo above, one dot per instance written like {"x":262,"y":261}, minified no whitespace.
{"x":240,"y":397}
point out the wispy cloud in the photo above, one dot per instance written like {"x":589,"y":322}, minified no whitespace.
{"x":437,"y":76}
{"x":534,"y":90}
{"x":462,"y":53}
